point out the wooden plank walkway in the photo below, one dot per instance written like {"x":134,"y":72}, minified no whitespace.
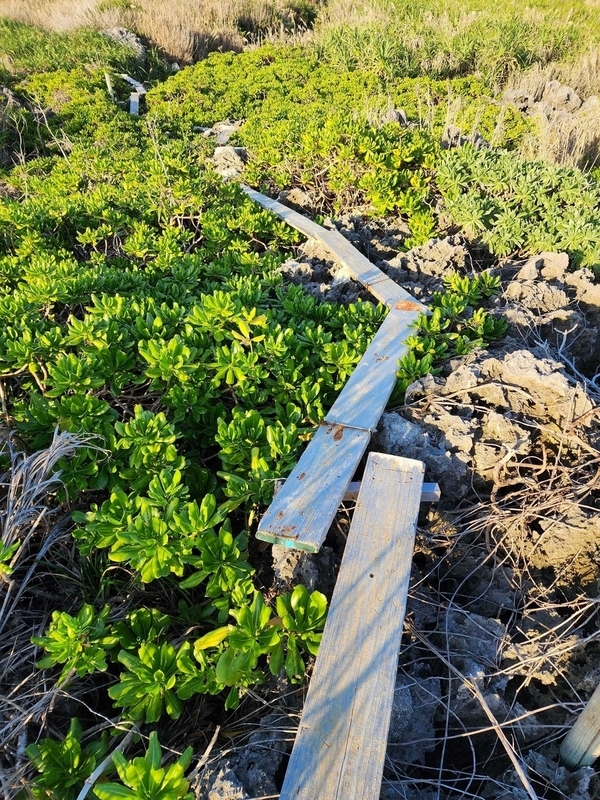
{"x":363,"y":399}
{"x":341,"y":742}
{"x":342,"y":251}
{"x":302,"y":512}
{"x":134,"y":97}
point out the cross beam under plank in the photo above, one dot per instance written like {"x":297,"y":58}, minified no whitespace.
{"x":429,"y":494}
{"x":342,"y":251}
{"x":302,"y":512}
{"x":341,"y":742}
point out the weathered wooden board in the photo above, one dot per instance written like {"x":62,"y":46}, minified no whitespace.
{"x":139,"y":87}
{"x":307,"y":505}
{"x":301,"y":513}
{"x":363,"y":399}
{"x":430,"y":493}
{"x":308,"y":508}
{"x":341,"y":742}
{"x":581,"y":747}
{"x":342,"y":251}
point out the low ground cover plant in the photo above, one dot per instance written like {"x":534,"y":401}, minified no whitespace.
{"x":142,"y":307}
{"x":27,"y":50}
{"x":297,"y":137}
{"x":142,"y":310}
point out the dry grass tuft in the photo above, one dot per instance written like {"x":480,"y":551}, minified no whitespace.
{"x":355,"y":13}
{"x":567,"y":139}
{"x":58,"y":15}
{"x":34,"y":523}
{"x":184,"y":29}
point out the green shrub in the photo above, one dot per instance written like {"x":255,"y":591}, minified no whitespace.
{"x":513,"y":205}
{"x":64,"y":766}
{"x":29,"y":50}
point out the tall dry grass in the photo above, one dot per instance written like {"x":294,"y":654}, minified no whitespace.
{"x":184,"y":29}
{"x":37,"y":525}
{"x":582,"y":74}
{"x":57,"y":15}
{"x":572,"y":141}
{"x":567,"y":139}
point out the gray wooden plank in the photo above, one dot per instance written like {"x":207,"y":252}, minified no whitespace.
{"x":134,"y":103}
{"x":581,"y":747}
{"x":139,"y":87}
{"x":430,"y":493}
{"x":363,"y":399}
{"x":359,"y":406}
{"x":301,"y":513}
{"x":340,"y":746}
{"x":371,"y":277}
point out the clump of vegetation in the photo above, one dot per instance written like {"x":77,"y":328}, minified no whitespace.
{"x":145,"y":324}
{"x":28,"y":50}
{"x":521,"y":206}
{"x":297,"y":138}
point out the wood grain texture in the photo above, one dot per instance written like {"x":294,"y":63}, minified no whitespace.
{"x":581,"y":747}
{"x":303,"y":510}
{"x":341,"y":742}
{"x":363,"y":399}
{"x":342,"y":251}
{"x":430,"y":494}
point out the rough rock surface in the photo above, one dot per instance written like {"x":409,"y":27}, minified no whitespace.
{"x":419,"y":270}
{"x":129,"y":39}
{"x":546,"y":303}
{"x":229,"y":161}
{"x":494,"y":400}
{"x":548,"y":98}
{"x":251,"y":772}
{"x":220,"y":783}
{"x":454,"y":137}
{"x":569,"y":127}
{"x":315,"y":571}
{"x":412,"y":727}
{"x":221,"y":132}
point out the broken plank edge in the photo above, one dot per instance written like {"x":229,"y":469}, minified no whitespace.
{"x":302,"y":512}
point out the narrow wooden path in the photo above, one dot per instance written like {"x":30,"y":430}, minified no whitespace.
{"x":340,"y":747}
{"x":341,"y":742}
{"x":344,"y":253}
{"x":304,"y":509}
{"x":301,"y":513}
